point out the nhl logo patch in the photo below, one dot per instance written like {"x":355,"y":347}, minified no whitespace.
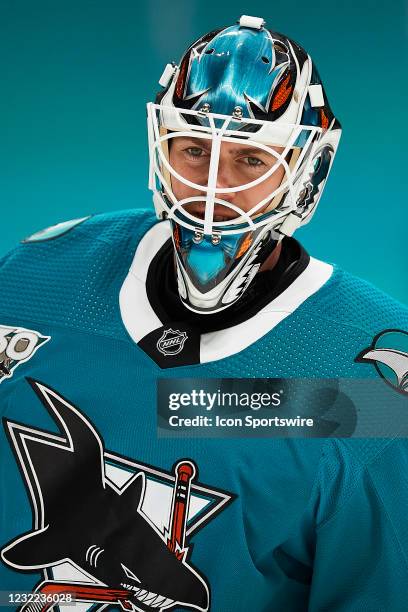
{"x":171,"y":342}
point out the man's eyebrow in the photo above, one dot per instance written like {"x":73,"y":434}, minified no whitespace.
{"x":254,"y":150}
{"x":198,"y":141}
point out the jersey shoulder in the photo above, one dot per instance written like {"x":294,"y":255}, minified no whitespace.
{"x":110,"y":227}
{"x":56,"y":275}
{"x":362,"y":318}
{"x":352,"y":302}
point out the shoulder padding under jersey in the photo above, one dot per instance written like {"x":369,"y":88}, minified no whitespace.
{"x":355,"y":303}
{"x":74,"y":280}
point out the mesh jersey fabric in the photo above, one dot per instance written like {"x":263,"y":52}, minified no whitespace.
{"x":95,"y":257}
{"x":315,"y":524}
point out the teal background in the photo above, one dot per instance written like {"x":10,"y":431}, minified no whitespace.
{"x":75,"y":77}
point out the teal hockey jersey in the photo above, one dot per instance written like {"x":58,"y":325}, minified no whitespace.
{"x":99,"y":510}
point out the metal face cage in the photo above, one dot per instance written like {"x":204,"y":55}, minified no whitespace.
{"x":292,"y":147}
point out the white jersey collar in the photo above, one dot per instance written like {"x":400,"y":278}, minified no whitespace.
{"x":140,"y":319}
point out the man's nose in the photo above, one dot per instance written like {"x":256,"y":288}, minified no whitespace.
{"x":224,"y":182}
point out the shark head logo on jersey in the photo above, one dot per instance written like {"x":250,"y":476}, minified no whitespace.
{"x":17,"y":345}
{"x":119,"y":529}
{"x":389,"y":354}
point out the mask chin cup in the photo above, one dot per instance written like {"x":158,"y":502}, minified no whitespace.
{"x":235,"y":282}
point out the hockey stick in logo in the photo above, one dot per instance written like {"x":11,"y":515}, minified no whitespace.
{"x":185,"y":472}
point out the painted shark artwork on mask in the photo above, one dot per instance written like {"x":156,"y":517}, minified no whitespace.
{"x":107,"y":530}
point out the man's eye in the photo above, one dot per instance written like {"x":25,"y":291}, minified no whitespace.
{"x":254,"y":161}
{"x":195,"y":151}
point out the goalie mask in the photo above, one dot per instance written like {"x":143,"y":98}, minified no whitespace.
{"x":241,"y":141}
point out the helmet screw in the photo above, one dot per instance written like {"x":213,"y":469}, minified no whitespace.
{"x":215,"y":238}
{"x":205,"y":108}
{"x":237,"y":112}
{"x":198,"y":236}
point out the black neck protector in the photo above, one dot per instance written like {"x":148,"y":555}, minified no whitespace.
{"x":162,"y":292}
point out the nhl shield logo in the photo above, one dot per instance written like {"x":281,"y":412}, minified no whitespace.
{"x":171,"y":342}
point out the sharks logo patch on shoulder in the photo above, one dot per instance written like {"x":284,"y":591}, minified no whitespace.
{"x":108,"y":530}
{"x":17,"y":345}
{"x":54,"y":231}
{"x":389,"y":354}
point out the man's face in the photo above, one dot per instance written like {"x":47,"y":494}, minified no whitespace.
{"x":238,"y":164}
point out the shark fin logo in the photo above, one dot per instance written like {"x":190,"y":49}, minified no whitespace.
{"x":17,"y":345}
{"x":107,"y":530}
{"x":389,"y":354}
{"x":55,"y":231}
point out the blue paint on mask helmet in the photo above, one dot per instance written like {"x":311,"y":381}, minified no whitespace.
{"x":235,"y":67}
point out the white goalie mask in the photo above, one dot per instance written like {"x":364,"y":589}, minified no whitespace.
{"x":238,"y":159}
